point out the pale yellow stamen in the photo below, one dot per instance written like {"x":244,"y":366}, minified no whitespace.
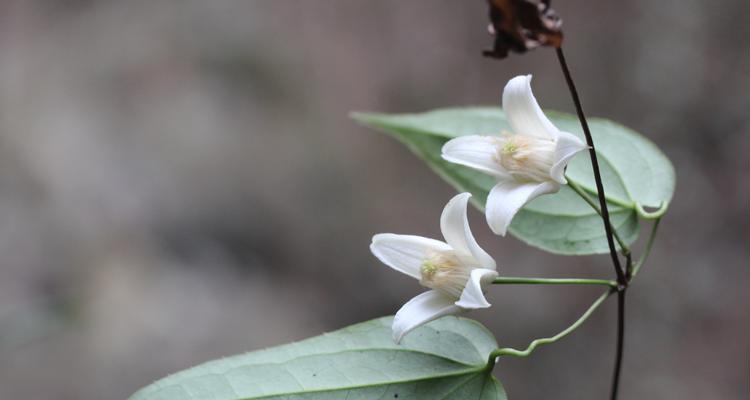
{"x":509,"y":147}
{"x":444,"y":272}
{"x":526,"y":158}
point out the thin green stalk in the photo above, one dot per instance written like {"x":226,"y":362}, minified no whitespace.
{"x":612,"y":200}
{"x":581,"y":192}
{"x":647,"y":250}
{"x":510,"y":280}
{"x":628,"y":266}
{"x":507,"y":351}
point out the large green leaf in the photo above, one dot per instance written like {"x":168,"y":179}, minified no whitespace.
{"x":445,"y":359}
{"x":634,"y":171}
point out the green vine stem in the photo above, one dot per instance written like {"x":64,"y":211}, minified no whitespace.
{"x":582,"y":193}
{"x":507,"y":351}
{"x":632,"y":269}
{"x":510,"y":280}
{"x":647,"y":250}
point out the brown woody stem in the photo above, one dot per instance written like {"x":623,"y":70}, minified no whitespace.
{"x":622,"y":279}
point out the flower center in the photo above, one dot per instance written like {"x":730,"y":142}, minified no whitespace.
{"x":444,"y":272}
{"x":526,"y":158}
{"x":510,"y":147}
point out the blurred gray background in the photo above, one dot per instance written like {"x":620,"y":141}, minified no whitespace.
{"x":179,"y":181}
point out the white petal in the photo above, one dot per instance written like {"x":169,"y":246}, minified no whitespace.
{"x":455,"y":227}
{"x":478,"y":152}
{"x":473,"y":294}
{"x":523,"y":112}
{"x":507,"y":197}
{"x":568,"y":145}
{"x":420,"y":310}
{"x":405,"y":253}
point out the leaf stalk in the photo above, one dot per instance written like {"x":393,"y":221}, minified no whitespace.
{"x":507,"y":351}
{"x":510,"y":280}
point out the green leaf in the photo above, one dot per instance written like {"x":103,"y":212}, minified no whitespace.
{"x":634,"y":171}
{"x":445,"y":359}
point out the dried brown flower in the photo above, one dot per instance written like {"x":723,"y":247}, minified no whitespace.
{"x":520,"y":25}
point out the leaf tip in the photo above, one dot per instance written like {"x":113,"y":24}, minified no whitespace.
{"x":364,"y":118}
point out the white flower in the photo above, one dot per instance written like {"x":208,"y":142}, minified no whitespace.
{"x":456,"y":271}
{"x":527,"y":163}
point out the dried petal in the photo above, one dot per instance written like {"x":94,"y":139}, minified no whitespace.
{"x":520,"y":25}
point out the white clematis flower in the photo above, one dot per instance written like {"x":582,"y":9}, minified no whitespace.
{"x":527,"y":163}
{"x":456,"y":270}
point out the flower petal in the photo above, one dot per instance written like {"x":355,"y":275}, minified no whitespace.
{"x":507,"y":197}
{"x":420,"y":310}
{"x":473,"y":295}
{"x":405,"y":253}
{"x":455,"y":227}
{"x":568,"y":145}
{"x":523,"y":112}
{"x":477,"y":152}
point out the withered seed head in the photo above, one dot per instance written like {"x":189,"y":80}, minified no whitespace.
{"x":520,"y":25}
